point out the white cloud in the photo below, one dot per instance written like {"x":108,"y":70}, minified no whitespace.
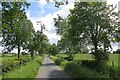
{"x":28,"y":14}
{"x":49,"y":23}
{"x":42,"y":2}
{"x":48,"y":19}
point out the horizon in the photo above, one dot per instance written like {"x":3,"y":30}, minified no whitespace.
{"x":45,"y":12}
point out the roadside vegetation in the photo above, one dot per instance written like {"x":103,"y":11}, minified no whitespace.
{"x":92,"y":25}
{"x":76,"y":68}
{"x":29,"y":70}
{"x":17,"y":32}
{"x":24,"y":67}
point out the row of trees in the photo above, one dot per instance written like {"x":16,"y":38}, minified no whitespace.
{"x":18,"y":31}
{"x":94,"y":24}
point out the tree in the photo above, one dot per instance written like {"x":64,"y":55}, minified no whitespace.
{"x":53,"y":50}
{"x":42,"y":42}
{"x":37,"y":43}
{"x":15,"y":25}
{"x":92,"y":23}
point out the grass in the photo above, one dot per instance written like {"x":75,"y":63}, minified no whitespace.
{"x":74,"y":71}
{"x":30,"y":70}
{"x":77,"y":71}
{"x":9,"y":58}
{"x":53,"y":58}
{"x":113,"y":57}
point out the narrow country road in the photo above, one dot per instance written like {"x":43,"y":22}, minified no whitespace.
{"x":49,"y":70}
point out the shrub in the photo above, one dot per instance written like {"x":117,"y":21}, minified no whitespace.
{"x":63,"y":64}
{"x":53,"y":58}
{"x":78,"y":61}
{"x":89,"y":63}
{"x":101,"y":57}
{"x":104,"y":69}
{"x":77,"y":71}
{"x":59,"y":60}
{"x":114,"y":73}
{"x":6,"y":67}
{"x":40,"y":60}
{"x":69,"y":58}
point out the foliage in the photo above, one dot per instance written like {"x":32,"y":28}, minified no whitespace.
{"x":101,"y":57}
{"x":88,"y":66}
{"x":29,"y":70}
{"x":53,"y":50}
{"x":6,"y":67}
{"x":89,"y":25}
{"x":16,"y":28}
{"x":53,"y":58}
{"x":37,"y":43}
{"x":76,"y":71}
{"x":59,"y":60}
{"x":69,"y":58}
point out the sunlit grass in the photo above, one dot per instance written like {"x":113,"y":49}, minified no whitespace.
{"x":112,"y":57}
{"x":29,"y":70}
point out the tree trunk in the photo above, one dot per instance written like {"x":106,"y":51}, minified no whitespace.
{"x":95,"y":45}
{"x":18,"y":51}
{"x":32,"y":55}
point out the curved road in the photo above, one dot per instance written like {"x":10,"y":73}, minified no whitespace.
{"x":49,"y":70}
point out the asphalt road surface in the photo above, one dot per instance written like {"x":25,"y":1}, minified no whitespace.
{"x":49,"y":70}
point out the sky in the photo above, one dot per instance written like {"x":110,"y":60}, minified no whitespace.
{"x":45,"y":12}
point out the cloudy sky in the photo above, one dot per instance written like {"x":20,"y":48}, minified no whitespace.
{"x":45,"y":12}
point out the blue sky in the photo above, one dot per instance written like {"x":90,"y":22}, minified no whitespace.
{"x":38,"y":10}
{"x":45,"y":12}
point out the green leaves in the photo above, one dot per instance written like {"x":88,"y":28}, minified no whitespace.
{"x":90,"y":23}
{"x":17,"y":29}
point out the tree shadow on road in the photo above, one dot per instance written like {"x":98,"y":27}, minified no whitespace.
{"x":49,"y":64}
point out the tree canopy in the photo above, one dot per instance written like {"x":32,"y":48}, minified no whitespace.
{"x":92,"y":24}
{"x":16,"y":28}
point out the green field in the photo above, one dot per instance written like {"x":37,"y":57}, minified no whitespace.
{"x":112,"y":57}
{"x":75,"y":70}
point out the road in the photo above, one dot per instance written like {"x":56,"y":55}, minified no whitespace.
{"x":49,"y":70}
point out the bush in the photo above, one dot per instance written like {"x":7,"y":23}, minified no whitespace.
{"x":69,"y":58}
{"x":59,"y":60}
{"x":89,"y":64}
{"x":40,"y":60}
{"x":104,"y":69}
{"x":77,"y":71}
{"x":6,"y":67}
{"x":78,"y":61}
{"x":101,"y":57}
{"x":114,"y":73}
{"x":53,"y":58}
{"x":63,"y":64}
{"x":26,"y":72}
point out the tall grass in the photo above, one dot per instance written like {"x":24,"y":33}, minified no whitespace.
{"x":30,"y":70}
{"x":113,"y":58}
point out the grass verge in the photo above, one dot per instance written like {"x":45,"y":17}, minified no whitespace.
{"x":30,"y":70}
{"x":75,"y":70}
